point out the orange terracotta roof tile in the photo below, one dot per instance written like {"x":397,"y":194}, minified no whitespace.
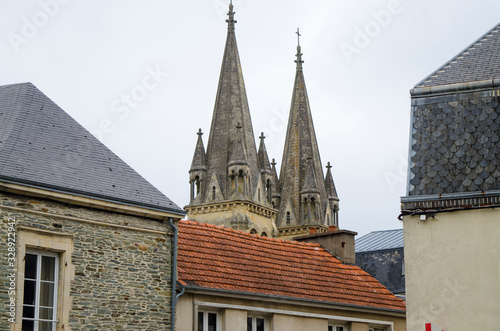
{"x":218,"y":258}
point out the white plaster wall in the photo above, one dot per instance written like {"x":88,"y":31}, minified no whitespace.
{"x":452,"y":267}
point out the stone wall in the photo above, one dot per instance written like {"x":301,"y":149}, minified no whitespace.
{"x":120,"y":278}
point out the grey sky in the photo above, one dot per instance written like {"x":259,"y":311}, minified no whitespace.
{"x":142,"y":75}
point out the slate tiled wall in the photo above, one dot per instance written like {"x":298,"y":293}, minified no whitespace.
{"x":455,"y":144}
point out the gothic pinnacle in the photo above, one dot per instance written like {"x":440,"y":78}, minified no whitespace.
{"x":230,"y":21}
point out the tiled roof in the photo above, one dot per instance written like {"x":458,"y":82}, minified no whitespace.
{"x":380,"y":240}
{"x":479,"y":61}
{"x":41,"y":145}
{"x":223,"y":259}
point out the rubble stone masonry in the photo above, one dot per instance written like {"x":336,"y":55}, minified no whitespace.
{"x":119,"y":271}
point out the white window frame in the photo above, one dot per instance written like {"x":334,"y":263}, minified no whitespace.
{"x":254,"y":321}
{"x":205,"y":320}
{"x":47,"y":241}
{"x":39,"y":254}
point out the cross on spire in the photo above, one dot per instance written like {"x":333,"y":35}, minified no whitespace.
{"x":299,"y":54}
{"x":199,"y":133}
{"x":231,"y":20}
{"x":273,"y":163}
{"x":328,"y":166}
{"x":262,"y":137}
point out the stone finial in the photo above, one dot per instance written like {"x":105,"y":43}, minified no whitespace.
{"x":199,"y":133}
{"x":231,"y":21}
{"x":328,"y":165}
{"x":273,"y":163}
{"x":262,"y":137}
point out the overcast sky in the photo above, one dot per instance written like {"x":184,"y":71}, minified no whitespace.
{"x":142,"y":76}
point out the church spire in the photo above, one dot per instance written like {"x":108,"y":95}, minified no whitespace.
{"x":231,"y":174}
{"x":303,"y":193}
{"x":333,"y":199}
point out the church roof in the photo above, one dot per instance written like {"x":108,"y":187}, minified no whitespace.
{"x":478,"y":61}
{"x":42,"y":146}
{"x":220,"y":259}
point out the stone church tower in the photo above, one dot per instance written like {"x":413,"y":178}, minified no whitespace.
{"x":231,"y":183}
{"x":306,"y":199}
{"x":234,"y":185}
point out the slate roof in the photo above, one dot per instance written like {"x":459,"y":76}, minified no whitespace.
{"x":380,"y":240}
{"x":222,"y":259}
{"x":479,"y":61}
{"x":42,"y":146}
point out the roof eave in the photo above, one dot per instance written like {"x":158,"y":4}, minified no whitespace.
{"x":290,"y":300}
{"x":27,"y":187}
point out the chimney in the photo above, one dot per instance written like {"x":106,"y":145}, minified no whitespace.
{"x":340,"y":243}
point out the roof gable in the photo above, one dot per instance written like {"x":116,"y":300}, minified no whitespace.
{"x":223,"y":259}
{"x":42,"y":146}
{"x":479,"y":61}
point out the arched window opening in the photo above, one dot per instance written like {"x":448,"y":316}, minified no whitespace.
{"x":213,"y":192}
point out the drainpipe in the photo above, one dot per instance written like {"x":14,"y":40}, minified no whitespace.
{"x":175,"y":296}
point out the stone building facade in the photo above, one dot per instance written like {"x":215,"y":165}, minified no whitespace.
{"x":450,"y":213}
{"x":234,"y":184}
{"x":86,"y":247}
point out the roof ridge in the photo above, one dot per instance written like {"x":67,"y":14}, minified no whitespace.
{"x":247,"y":234}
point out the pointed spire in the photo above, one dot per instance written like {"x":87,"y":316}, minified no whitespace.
{"x":329,"y":184}
{"x":301,"y":169}
{"x":199,"y":159}
{"x":262,"y":157}
{"x":230,"y":21}
{"x":299,"y":54}
{"x":275,"y":176}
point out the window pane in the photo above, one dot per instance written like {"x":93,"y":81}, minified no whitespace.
{"x":29,"y":312}
{"x":212,"y":322}
{"x":249,"y":324}
{"x":45,"y":313}
{"x":30,"y":266}
{"x":46,"y":294}
{"x":260,"y":324}
{"x":330,"y":328}
{"x":29,"y":292}
{"x":28,"y":325}
{"x":340,"y":328}
{"x":45,"y":326}
{"x":200,"y":321}
{"x":48,"y":268}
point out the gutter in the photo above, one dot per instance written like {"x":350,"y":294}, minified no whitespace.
{"x":454,"y":88}
{"x":288,"y":300}
{"x":175,"y":296}
{"x":101,"y":197}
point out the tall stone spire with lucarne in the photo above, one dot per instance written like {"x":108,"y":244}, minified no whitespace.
{"x":304,"y":200}
{"x":233,"y":190}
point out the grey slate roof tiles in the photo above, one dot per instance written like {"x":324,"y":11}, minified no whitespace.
{"x":455,"y":147}
{"x":41,"y":145}
{"x":380,"y":240}
{"x":479,"y":61}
